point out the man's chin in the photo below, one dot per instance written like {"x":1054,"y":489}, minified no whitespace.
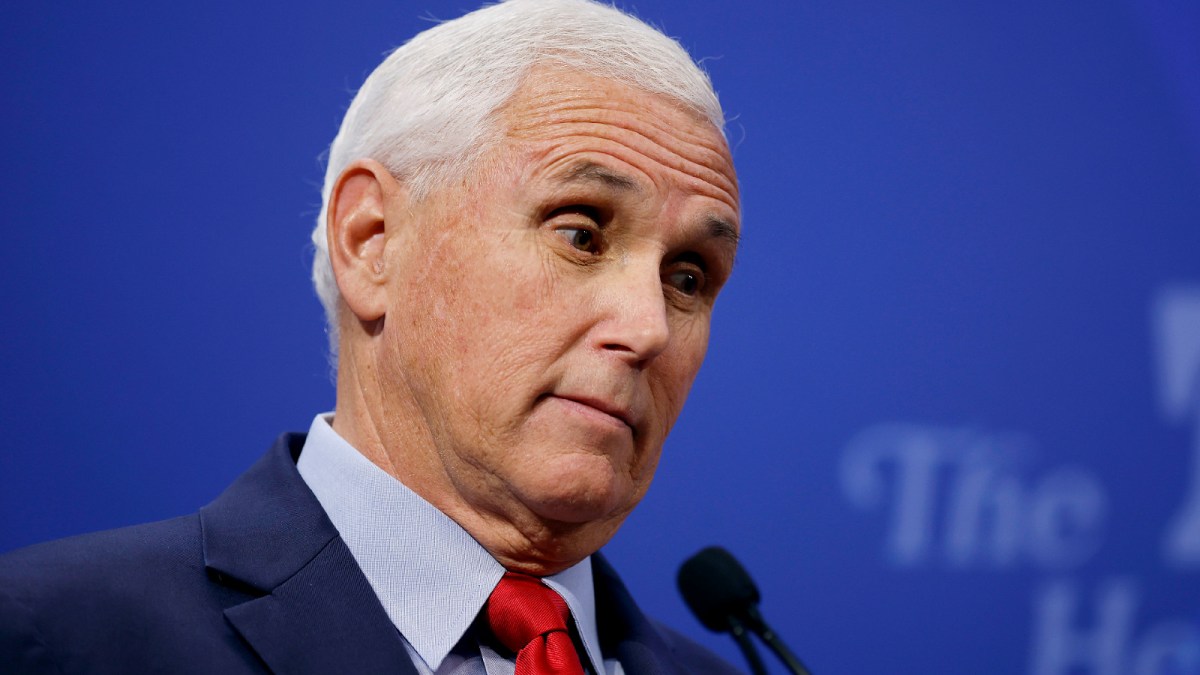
{"x":572,"y":508}
{"x":579,"y":494}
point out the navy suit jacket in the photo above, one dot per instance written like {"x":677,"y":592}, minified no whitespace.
{"x":257,"y":581}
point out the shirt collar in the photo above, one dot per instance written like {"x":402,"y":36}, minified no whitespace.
{"x":430,"y":575}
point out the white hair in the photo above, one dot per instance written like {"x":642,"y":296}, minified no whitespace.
{"x":426,"y":112}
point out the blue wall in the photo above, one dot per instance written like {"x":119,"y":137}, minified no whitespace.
{"x":951,"y":413}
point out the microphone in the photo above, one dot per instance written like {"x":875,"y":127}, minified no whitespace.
{"x":724,"y":598}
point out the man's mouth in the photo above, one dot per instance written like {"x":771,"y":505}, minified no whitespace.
{"x":617,"y":412}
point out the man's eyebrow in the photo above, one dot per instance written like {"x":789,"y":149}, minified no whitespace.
{"x":595,"y":173}
{"x":719,"y":228}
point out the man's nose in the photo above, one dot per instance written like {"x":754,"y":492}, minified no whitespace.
{"x":635,"y":324}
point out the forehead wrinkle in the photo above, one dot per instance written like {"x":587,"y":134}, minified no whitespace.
{"x":697,"y":177}
{"x":587,"y":171}
{"x":584,"y":112}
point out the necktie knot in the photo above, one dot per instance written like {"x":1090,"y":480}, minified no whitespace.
{"x":531,"y":619}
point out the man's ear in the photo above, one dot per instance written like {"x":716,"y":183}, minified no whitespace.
{"x":356,"y":231}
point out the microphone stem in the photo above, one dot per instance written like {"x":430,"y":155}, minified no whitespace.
{"x":789,"y":659}
{"x":742,"y":638}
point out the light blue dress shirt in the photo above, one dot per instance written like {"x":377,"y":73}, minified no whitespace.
{"x":431,"y":577}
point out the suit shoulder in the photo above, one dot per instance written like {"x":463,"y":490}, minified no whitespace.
{"x":90,"y":587}
{"x":109,"y":555}
{"x":99,"y":573}
{"x":89,"y":593}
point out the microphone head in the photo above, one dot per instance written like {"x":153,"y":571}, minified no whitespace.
{"x":715,"y":587}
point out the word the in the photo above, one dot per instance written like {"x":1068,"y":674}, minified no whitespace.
{"x":964,"y":498}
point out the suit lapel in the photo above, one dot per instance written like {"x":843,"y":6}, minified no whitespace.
{"x":626,"y":633}
{"x":313,"y":610}
{"x":323,"y":620}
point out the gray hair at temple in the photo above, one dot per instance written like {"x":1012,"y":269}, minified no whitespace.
{"x":426,"y":112}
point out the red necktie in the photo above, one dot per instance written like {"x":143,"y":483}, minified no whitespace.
{"x":531,"y":619}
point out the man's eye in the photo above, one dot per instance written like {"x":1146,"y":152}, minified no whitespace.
{"x":580,"y":238}
{"x":688,"y":282}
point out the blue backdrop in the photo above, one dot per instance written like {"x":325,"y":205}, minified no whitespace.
{"x":951,"y":413}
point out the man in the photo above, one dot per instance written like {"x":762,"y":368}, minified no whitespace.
{"x":528,"y":215}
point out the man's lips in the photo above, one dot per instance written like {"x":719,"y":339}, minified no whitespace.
{"x":602,"y":406}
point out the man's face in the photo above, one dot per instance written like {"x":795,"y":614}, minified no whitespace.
{"x":549,"y":314}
